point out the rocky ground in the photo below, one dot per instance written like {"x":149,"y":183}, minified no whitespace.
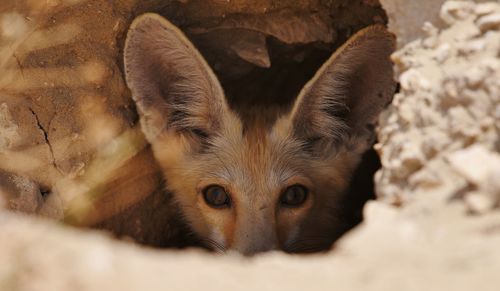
{"x":435,"y":225}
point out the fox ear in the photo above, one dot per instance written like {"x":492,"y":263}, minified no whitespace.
{"x":172,"y":85}
{"x":344,"y":98}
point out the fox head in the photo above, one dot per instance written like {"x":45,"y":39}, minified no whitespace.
{"x":247,"y":184}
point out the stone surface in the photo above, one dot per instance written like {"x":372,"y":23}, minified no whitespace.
{"x":441,"y":132}
{"x":392,"y":252}
{"x":407,"y":18}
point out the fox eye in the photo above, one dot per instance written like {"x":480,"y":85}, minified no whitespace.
{"x":294,"y":196}
{"x":216,"y":197}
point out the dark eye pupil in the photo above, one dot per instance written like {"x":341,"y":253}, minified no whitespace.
{"x":294,"y":196}
{"x":216,"y":196}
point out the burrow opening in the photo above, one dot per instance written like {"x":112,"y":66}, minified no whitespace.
{"x":264,"y":54}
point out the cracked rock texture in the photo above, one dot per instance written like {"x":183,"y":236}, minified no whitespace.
{"x":62,"y":100}
{"x":435,"y":226}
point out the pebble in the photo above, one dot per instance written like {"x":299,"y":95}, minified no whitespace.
{"x":479,"y":203}
{"x":489,"y":22}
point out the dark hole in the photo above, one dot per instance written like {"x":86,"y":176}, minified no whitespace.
{"x":45,"y":192}
{"x":362,"y":186}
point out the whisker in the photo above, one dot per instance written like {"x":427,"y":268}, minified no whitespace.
{"x":213,"y":245}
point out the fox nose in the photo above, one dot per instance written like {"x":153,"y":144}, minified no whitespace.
{"x":256,"y":234}
{"x":252,"y":247}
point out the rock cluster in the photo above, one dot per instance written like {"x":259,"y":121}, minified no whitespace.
{"x":441,"y":133}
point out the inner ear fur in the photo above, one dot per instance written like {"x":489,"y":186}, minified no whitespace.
{"x":348,"y":92}
{"x":171,"y":84}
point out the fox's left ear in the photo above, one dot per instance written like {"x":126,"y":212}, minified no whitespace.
{"x":348,"y":92}
{"x":172,"y":85}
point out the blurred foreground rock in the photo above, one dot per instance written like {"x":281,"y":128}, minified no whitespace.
{"x":392,"y":252}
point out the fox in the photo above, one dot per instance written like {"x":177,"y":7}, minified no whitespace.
{"x":255,"y":180}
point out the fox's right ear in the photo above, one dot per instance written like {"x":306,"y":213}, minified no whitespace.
{"x":172,"y":85}
{"x":342,"y":101}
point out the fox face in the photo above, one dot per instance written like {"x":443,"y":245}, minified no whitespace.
{"x":243,"y":181}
